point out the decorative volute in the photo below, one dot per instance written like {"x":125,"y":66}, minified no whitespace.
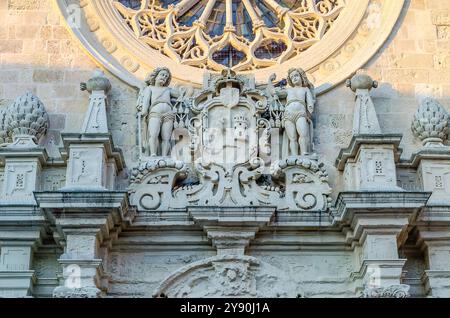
{"x":26,"y":120}
{"x":98,"y":82}
{"x":430,"y":123}
{"x":365,"y":120}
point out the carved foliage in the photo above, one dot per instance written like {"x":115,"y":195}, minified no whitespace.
{"x":222,"y":186}
{"x":153,"y":183}
{"x":393,"y":291}
{"x":27,"y":116}
{"x":228,"y":276}
{"x":430,"y":122}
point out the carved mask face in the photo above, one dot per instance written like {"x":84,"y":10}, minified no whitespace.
{"x":296,"y":78}
{"x":162,"y":78}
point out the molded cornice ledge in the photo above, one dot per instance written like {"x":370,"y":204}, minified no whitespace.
{"x":376,"y":225}
{"x":22,"y":225}
{"x":430,"y":153}
{"x":231,"y":228}
{"x":433,"y":170}
{"x":38,"y":152}
{"x":22,"y":169}
{"x":351,"y":151}
{"x":89,"y":222}
{"x":380,"y":211}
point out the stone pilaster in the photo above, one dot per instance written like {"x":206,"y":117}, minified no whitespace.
{"x":433,"y":224}
{"x":20,"y":236}
{"x":433,"y":172}
{"x":86,"y":222}
{"x":369,"y":163}
{"x":376,"y":224}
{"x":22,"y":172}
{"x":93,"y":163}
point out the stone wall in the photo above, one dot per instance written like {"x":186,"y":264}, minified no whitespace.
{"x":37,"y":53}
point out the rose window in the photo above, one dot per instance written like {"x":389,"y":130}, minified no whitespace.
{"x":241,"y":34}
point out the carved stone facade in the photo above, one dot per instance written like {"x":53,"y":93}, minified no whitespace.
{"x":211,"y":159}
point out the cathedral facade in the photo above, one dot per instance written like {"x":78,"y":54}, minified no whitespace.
{"x":253,"y":148}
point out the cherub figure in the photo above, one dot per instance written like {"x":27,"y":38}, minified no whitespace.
{"x":156,"y":110}
{"x":300,"y":100}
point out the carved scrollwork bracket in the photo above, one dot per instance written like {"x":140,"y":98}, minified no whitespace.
{"x":306,"y":182}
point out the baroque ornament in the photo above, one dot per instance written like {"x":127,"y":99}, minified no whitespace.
{"x":365,"y":119}
{"x":242,"y":35}
{"x":26,"y":120}
{"x":156,"y":109}
{"x":229,"y":124}
{"x":430,"y":123}
{"x":258,"y":37}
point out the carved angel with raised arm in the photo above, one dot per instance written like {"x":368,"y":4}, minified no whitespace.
{"x":156,"y":110}
{"x":300,"y":102}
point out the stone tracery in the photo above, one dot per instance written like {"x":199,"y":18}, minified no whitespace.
{"x":242,"y":35}
{"x":238,"y":207}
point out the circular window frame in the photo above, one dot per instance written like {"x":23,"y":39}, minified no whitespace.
{"x":345,"y":48}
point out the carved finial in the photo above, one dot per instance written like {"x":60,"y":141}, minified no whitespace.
{"x":361,"y":81}
{"x":98,"y":82}
{"x":365,"y":120}
{"x":430,"y":123}
{"x":392,"y":291}
{"x":26,"y":119}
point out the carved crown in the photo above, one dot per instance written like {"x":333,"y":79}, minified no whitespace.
{"x":240,"y":120}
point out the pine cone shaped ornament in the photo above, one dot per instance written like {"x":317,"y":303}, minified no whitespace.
{"x":430,"y":123}
{"x":26,"y":119}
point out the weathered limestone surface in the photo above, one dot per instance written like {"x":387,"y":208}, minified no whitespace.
{"x":380,"y":228}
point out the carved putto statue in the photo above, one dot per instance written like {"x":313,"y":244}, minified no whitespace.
{"x":155,"y":113}
{"x":229,"y":125}
{"x":300,"y":100}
